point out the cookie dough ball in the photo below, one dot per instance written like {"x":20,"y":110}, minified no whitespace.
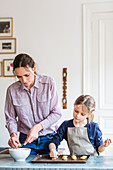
{"x":74,"y":157}
{"x":19,"y":145}
{"x":64,"y":157}
{"x":54,"y":158}
{"x":83,"y":157}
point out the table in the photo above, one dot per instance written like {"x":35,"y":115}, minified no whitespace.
{"x":94,"y":162}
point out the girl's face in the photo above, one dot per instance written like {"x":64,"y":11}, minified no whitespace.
{"x":26,"y":76}
{"x":80,"y":113}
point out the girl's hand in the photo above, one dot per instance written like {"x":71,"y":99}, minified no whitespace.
{"x":53,"y":153}
{"x":107,"y":142}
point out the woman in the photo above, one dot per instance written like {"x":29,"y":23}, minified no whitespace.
{"x":31,"y":107}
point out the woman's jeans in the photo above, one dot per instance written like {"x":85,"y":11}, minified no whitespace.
{"x":38,"y":146}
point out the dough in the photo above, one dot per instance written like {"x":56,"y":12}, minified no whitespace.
{"x":74,"y":157}
{"x":64,"y":157}
{"x":83,"y":157}
{"x":54,"y":158}
{"x":19,"y":145}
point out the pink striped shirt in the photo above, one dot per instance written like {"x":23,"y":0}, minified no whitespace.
{"x":24,"y":108}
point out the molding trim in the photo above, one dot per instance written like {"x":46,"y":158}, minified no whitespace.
{"x":95,"y":14}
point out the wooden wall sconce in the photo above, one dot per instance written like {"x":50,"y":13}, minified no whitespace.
{"x":64,"y":99}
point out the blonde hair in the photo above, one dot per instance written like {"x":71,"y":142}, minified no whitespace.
{"x":88,"y":101}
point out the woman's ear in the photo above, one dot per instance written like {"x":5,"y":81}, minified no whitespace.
{"x":34,"y":68}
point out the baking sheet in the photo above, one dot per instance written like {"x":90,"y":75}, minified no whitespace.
{"x":47,"y":159}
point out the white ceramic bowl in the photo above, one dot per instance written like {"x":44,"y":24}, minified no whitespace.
{"x":19,"y":154}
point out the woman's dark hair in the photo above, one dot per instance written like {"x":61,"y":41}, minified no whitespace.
{"x":86,"y":100}
{"x":23,"y":60}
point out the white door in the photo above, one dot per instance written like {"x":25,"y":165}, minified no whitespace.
{"x":98,"y":63}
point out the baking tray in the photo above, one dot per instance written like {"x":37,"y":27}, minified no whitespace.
{"x":47,"y":159}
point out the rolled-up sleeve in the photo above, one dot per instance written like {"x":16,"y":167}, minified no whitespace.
{"x":99,"y":140}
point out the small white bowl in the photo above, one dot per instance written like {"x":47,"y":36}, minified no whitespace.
{"x":19,"y":154}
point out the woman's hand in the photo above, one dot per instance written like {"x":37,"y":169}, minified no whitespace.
{"x":33,"y":133}
{"x":13,"y":141}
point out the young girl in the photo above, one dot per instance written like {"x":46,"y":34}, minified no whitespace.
{"x":83,"y":137}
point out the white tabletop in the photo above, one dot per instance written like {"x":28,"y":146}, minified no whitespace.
{"x":94,"y":162}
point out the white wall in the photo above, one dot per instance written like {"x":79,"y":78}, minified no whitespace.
{"x":51,"y":32}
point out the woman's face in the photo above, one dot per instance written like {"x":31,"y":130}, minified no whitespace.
{"x":26,"y":76}
{"x":80,"y":113}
